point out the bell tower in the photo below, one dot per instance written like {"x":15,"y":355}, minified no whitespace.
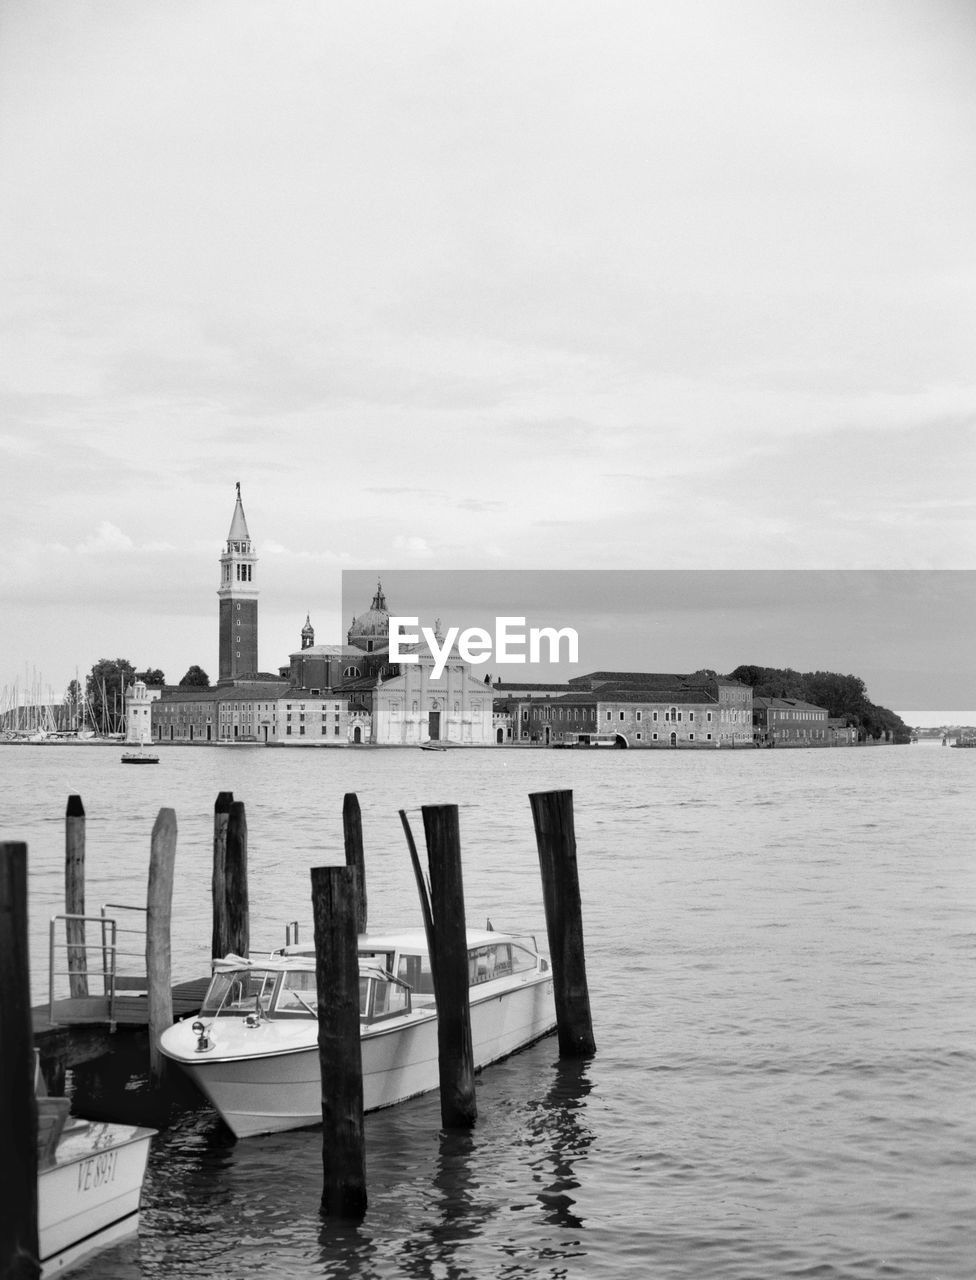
{"x":238,"y":598}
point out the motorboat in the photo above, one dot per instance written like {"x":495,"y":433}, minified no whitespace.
{"x":253,"y":1049}
{"x":139,"y":757}
{"x":89,"y":1183}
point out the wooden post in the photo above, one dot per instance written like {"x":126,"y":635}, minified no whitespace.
{"x":18,"y":1107}
{"x":218,"y":936}
{"x":352,"y":829}
{"x":74,"y":895}
{"x":552,"y":813}
{"x":235,"y":883}
{"x":449,"y":964}
{"x":159,"y":965}
{"x":340,"y":1056}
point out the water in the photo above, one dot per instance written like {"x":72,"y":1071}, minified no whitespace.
{"x":780,"y":952}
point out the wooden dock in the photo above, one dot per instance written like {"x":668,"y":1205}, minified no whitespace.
{"x":82,"y":1031}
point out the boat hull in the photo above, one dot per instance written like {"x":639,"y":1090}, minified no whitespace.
{"x":90,"y":1197}
{"x":275,"y":1091}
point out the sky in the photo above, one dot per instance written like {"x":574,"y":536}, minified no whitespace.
{"x":493,"y":286}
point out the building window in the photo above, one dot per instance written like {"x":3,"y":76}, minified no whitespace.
{"x":639,"y":715}
{"x":621,"y":715}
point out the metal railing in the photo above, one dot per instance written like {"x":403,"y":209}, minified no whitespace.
{"x":76,"y":959}
{"x":73,"y":952}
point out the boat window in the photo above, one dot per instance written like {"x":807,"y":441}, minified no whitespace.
{"x":415,"y":972}
{"x":298,"y":994}
{"x":388,"y":999}
{"x":237,"y":991}
{"x":522,"y":959}
{"x":481,"y":965}
{"x":499,"y":960}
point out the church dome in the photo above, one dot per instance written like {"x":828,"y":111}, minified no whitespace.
{"x":374,"y":624}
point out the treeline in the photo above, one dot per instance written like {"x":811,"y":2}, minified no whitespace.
{"x":843,"y":696}
{"x":103,"y":696}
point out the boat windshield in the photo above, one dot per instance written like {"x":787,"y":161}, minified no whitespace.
{"x":237,"y":991}
{"x":297,"y":993}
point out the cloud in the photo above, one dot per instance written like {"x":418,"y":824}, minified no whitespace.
{"x":411,"y":545}
{"x":107,"y":538}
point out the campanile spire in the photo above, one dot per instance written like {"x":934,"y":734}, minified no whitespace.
{"x":238,"y":598}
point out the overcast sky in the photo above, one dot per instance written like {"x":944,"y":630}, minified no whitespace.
{"x":486,"y":285}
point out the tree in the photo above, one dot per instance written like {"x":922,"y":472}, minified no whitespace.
{"x":105,"y":688}
{"x":195,"y":678}
{"x":153,"y":678}
{"x":845,"y":697}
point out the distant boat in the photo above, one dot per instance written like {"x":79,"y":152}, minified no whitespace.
{"x":432,"y":746}
{"x":139,"y":757}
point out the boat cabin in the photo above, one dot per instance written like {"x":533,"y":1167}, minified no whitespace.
{"x":277,"y":988}
{"x":394,"y":977}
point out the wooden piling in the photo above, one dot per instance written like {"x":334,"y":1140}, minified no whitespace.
{"x":449,"y":965}
{"x":555,"y":834}
{"x":352,"y":829}
{"x":218,"y":936}
{"x":18,"y":1106}
{"x":74,"y":895}
{"x":334,"y":913}
{"x":159,"y":904}
{"x":236,"y":906}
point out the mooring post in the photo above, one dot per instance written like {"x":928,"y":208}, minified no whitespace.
{"x":238,"y":939}
{"x":555,"y":834}
{"x":159,"y":960}
{"x":449,"y":965}
{"x":334,"y":912}
{"x":74,"y":895}
{"x":218,"y":936}
{"x":18,"y":1106}
{"x":352,"y":830}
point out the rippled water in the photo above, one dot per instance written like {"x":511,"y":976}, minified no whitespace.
{"x":780,"y":953}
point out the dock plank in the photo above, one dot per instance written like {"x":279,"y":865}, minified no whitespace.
{"x":131,"y":1008}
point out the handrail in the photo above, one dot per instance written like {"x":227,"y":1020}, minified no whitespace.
{"x":141,"y":931}
{"x":109,"y":951}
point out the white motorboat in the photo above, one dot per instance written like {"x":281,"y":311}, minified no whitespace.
{"x":89,"y":1183}
{"x":253,"y":1050}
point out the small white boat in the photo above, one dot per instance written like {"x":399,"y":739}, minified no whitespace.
{"x":139,"y":757}
{"x":253,"y":1051}
{"x":89,"y":1183}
